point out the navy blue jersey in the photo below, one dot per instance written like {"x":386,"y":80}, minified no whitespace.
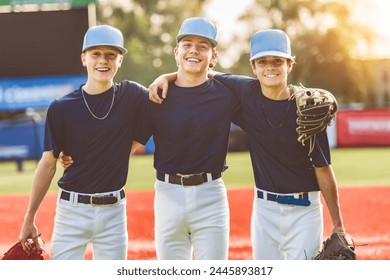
{"x":100,"y":148}
{"x":280,"y":163}
{"x":191,"y":128}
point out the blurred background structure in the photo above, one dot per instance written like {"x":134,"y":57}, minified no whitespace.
{"x":339,"y":46}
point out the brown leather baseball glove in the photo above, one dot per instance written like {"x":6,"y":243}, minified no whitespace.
{"x":339,"y":246}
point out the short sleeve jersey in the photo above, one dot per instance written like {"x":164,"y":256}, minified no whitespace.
{"x":280,"y":163}
{"x":100,"y":148}
{"x":191,"y":128}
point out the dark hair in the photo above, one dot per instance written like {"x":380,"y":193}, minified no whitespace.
{"x":289,"y":60}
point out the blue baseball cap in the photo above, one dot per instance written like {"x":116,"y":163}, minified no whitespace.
{"x":199,"y":27}
{"x":104,"y":35}
{"x":270,"y":42}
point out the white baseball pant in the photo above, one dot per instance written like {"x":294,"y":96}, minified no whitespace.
{"x":191,"y":220}
{"x":286,"y":232}
{"x":77,"y":224}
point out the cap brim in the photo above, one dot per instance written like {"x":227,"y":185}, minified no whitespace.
{"x":122,"y":50}
{"x":213,"y":42}
{"x":270,"y":53}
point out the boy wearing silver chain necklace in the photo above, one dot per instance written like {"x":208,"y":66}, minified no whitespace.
{"x":96,"y":124}
{"x":287,"y":218}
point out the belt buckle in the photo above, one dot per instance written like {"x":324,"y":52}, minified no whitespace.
{"x":183,"y":177}
{"x":192,"y":179}
{"x":106,"y":199}
{"x":92,"y":197}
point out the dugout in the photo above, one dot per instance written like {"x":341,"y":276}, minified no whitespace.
{"x":40,"y":46}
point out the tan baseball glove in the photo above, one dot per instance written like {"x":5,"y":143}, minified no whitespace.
{"x":316,"y":108}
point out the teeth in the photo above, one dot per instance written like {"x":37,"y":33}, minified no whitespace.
{"x":193,"y":59}
{"x":103,"y":69}
{"x":271,"y":76}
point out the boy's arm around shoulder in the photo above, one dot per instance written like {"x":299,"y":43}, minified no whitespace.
{"x":161,"y":83}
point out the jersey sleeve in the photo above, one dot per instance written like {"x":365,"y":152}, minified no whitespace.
{"x":235,"y":82}
{"x":54,"y":129}
{"x":228,"y":80}
{"x":143,"y":130}
{"x":321,"y":153}
{"x":238,"y":85}
{"x":236,"y":111}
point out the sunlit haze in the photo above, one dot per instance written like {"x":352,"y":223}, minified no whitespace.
{"x":376,"y":14}
{"x":373,"y":13}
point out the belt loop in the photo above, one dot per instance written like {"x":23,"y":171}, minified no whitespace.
{"x":74,"y":198}
{"x":59,"y":196}
{"x":166,"y":178}
{"x":265,"y":196}
{"x":118,"y":194}
{"x":209,"y":177}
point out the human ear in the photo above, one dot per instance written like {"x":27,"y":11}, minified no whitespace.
{"x":83,"y":59}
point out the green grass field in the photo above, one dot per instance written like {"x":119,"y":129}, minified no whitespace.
{"x":353,"y":167}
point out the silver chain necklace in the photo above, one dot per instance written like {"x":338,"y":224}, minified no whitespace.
{"x":266,"y":116}
{"x":89,"y":109}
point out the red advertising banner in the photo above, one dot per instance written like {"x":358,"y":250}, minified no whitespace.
{"x":363,"y":128}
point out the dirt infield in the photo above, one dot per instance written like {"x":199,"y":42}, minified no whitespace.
{"x":365,"y":211}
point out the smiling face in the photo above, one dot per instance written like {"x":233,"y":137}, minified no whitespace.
{"x":194,"y":54}
{"x":102,"y":63}
{"x":272,"y":70}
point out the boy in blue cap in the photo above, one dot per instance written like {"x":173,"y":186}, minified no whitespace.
{"x":287,"y":218}
{"x":190,"y":132}
{"x":96,"y":125}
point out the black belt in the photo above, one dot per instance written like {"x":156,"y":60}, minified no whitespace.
{"x":188,"y":180}
{"x":303,"y":198}
{"x":94,"y":199}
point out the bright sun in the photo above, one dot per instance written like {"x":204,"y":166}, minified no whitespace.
{"x":375,"y":13}
{"x":380,"y":15}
